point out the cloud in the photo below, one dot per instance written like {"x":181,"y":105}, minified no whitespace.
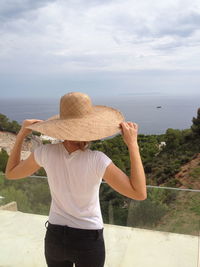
{"x":59,"y":36}
{"x":13,"y":9}
{"x":183,"y":25}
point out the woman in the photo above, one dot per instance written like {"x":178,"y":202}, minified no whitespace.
{"x":75,"y":227}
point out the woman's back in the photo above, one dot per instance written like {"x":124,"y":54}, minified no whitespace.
{"x":74,"y":180}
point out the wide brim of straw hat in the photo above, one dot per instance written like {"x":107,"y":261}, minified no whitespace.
{"x":102,"y":122}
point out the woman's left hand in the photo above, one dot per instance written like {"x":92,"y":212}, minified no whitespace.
{"x":129,"y":132}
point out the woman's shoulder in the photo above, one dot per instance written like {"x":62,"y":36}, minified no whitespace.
{"x":96,"y":153}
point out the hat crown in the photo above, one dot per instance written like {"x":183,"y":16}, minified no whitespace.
{"x":75,"y":105}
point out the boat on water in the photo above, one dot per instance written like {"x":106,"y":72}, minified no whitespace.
{"x":159,"y":107}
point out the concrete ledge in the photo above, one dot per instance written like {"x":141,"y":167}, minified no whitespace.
{"x":129,"y":247}
{"x":22,"y":237}
{"x":12,"y":206}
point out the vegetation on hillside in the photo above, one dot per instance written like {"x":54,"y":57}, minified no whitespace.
{"x":8,"y":125}
{"x":13,"y":126}
{"x":162,"y":210}
{"x":3,"y":160}
{"x":32,"y":195}
{"x":196,"y":125}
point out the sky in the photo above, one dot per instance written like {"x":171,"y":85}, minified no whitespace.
{"x":100,"y":47}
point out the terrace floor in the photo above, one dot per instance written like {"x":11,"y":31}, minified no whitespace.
{"x":22,"y":234}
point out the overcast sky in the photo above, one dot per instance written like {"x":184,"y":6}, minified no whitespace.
{"x":101,"y":47}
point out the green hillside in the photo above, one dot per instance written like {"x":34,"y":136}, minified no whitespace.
{"x":164,"y":210}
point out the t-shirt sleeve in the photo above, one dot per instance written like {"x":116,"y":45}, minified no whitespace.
{"x":40,"y":155}
{"x":102,"y":162}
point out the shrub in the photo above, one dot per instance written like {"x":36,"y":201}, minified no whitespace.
{"x":3,"y":160}
{"x":7,"y":125}
{"x":146,"y":213}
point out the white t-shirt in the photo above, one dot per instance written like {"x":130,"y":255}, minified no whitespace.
{"x":74,"y":180}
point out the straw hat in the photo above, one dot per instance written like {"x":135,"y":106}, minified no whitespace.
{"x":79,"y":120}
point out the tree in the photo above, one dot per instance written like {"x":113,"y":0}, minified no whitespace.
{"x":3,"y":122}
{"x":7,"y":125}
{"x":13,"y":127}
{"x":3,"y":160}
{"x":145,"y":213}
{"x":196,"y":124}
{"x":12,"y":194}
{"x":173,"y":139}
{"x":41,"y":172}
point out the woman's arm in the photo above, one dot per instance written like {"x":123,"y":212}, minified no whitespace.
{"x":135,"y":186}
{"x":17,"y":168}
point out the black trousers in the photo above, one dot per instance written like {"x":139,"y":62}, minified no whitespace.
{"x":65,"y":245}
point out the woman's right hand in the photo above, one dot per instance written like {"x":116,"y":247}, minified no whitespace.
{"x":129,"y":133}
{"x":25,"y":131}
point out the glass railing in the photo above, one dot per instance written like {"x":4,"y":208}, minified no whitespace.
{"x":161,"y":231}
{"x":165,"y":209}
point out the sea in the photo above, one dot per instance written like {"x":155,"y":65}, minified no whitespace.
{"x":154,"y":113}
